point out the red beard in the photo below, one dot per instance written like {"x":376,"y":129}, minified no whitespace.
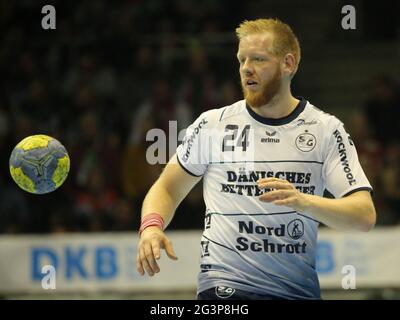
{"x":267,"y":92}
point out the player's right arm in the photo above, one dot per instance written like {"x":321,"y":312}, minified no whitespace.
{"x":163,"y":198}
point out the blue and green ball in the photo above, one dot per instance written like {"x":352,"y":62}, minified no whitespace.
{"x":39,"y":164}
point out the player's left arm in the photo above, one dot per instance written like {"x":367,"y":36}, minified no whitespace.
{"x":353,"y":212}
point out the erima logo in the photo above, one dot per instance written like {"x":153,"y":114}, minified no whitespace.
{"x":270,"y":139}
{"x":270,"y":134}
{"x":224,"y":292}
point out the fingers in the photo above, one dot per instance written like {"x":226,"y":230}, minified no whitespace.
{"x":139,"y":267}
{"x":144,"y":262}
{"x":149,"y":252}
{"x":169,"y":250}
{"x":281,"y":191}
{"x":285,"y":202}
{"x":273,"y":196}
{"x":156,"y":248}
{"x":269,"y":179}
{"x":274,"y":183}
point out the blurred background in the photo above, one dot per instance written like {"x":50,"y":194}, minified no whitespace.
{"x":113,"y":70}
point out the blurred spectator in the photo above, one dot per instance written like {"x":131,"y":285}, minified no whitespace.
{"x":39,"y":105}
{"x":14,"y":210}
{"x":135,"y":81}
{"x":86,"y":151}
{"x":391,"y":183}
{"x":137,"y":174}
{"x":371,"y":156}
{"x":370,"y":150}
{"x":381,"y":109}
{"x":125,"y":217}
{"x":90,"y":72}
{"x":198,"y":84}
{"x":229,"y":93}
{"x":94,"y":205}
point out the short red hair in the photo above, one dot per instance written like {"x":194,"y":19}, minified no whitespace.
{"x":284,"y":39}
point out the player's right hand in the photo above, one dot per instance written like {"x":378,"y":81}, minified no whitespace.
{"x":151,"y":241}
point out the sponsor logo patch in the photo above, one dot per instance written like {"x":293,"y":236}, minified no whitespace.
{"x":224,"y":292}
{"x":295,"y":229}
{"x":306,"y":141}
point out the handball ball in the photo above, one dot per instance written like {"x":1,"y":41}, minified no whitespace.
{"x":39,"y":164}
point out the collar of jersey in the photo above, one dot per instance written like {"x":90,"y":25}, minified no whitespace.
{"x":281,"y":121}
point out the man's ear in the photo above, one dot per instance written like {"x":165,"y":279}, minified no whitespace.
{"x":289,"y":64}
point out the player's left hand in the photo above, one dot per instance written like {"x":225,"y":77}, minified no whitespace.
{"x":283,"y":194}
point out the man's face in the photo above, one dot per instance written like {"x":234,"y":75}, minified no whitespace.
{"x":260,"y":71}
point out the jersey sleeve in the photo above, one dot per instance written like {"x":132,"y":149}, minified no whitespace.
{"x":342,"y":171}
{"x":192,"y":154}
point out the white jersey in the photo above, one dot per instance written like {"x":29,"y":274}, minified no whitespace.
{"x":257,"y":246}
